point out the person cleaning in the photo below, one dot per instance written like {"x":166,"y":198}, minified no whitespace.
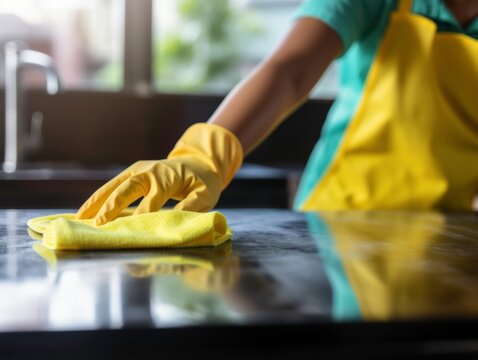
{"x":402,"y":133}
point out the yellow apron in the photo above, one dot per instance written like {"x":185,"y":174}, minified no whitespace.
{"x":413,"y":143}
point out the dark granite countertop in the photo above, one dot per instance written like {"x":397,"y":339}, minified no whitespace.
{"x":369,"y":283}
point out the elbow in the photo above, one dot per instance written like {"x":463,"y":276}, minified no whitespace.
{"x":293,"y":79}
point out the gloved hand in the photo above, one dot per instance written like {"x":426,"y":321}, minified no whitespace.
{"x":199,"y":167}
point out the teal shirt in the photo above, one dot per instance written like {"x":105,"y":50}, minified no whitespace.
{"x":360,"y":25}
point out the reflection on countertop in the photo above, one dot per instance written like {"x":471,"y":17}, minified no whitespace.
{"x":257,"y":277}
{"x":399,"y":265}
{"x":280,"y":268}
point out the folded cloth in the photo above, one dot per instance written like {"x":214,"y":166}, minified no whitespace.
{"x":164,"y":228}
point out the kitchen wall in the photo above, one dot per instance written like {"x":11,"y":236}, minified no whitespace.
{"x":104,"y":128}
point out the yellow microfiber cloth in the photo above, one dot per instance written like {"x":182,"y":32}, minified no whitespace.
{"x":164,"y":228}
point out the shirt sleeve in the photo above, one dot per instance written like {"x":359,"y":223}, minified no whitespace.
{"x":350,"y":19}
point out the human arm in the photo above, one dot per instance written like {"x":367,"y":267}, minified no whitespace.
{"x":280,"y":84}
{"x":206,"y":157}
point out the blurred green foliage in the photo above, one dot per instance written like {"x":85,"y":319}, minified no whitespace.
{"x":201,"y":52}
{"x":109,"y":77}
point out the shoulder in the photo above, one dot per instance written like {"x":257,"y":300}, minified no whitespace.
{"x":351,"y":19}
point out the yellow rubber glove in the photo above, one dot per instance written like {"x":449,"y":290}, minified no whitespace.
{"x":199,"y":167}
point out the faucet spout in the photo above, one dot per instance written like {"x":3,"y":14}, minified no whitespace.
{"x":43,"y":62}
{"x":16,"y":137}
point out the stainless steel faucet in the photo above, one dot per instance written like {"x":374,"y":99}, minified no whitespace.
{"x":17,"y":139}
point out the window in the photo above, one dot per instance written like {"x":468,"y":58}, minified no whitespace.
{"x":84,"y":37}
{"x":208,"y":46}
{"x":196,"y":46}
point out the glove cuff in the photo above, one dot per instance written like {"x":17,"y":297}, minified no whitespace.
{"x":214,"y":146}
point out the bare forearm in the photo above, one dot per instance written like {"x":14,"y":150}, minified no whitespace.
{"x":257,"y":105}
{"x":278,"y":85}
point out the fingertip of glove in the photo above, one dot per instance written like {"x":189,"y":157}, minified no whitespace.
{"x":86,"y":211}
{"x":81,"y":214}
{"x":100,"y":220}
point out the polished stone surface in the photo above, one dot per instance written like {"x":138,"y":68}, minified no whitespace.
{"x":280,"y":268}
